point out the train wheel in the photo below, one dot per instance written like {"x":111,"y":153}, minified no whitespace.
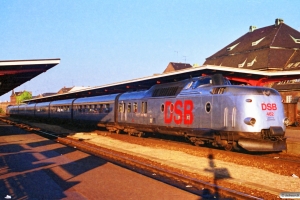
{"x":236,"y":147}
{"x":228,"y":147}
{"x":141,"y":134}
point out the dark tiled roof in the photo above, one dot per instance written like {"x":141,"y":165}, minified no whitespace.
{"x":286,"y":87}
{"x":176,"y":66}
{"x":44,"y":95}
{"x":271,"y":47}
{"x":19,"y":93}
{"x":64,"y":90}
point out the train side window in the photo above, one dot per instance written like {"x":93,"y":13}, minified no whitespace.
{"x":121,"y":110}
{"x":107,"y":107}
{"x":207,"y":107}
{"x":162,"y":107}
{"x":101,"y":108}
{"x":144,"y":107}
{"x":129,"y":108}
{"x":135,"y":107}
{"x":189,"y":85}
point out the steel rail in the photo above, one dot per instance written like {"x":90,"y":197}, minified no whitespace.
{"x":179,"y":180}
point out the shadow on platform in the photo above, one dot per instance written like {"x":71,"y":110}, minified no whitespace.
{"x":218,"y":174}
{"x":31,"y":173}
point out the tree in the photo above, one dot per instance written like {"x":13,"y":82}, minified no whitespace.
{"x":24,"y":96}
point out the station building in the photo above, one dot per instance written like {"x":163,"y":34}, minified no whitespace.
{"x":271,"y":48}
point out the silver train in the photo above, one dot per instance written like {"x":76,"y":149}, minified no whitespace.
{"x":205,"y":110}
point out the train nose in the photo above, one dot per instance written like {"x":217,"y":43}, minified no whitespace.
{"x":250,"y":121}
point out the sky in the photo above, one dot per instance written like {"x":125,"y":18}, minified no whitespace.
{"x":107,"y":41}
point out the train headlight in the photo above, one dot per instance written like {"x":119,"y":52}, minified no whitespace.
{"x":250,"y":121}
{"x":286,"y":121}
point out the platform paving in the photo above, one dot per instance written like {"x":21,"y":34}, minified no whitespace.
{"x":293,"y":140}
{"x":33,"y":167}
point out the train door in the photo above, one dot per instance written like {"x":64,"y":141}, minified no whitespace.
{"x":206,"y":109}
{"x":128,"y":112}
{"x":122,"y":113}
{"x":144,"y":112}
{"x":218,"y":112}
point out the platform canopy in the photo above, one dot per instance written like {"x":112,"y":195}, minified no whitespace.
{"x":14,"y":73}
{"x":252,"y":77}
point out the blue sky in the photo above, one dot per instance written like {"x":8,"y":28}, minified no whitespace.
{"x":102,"y":42}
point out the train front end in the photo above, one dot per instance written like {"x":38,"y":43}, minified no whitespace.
{"x":261,"y":120}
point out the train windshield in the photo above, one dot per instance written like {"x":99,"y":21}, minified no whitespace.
{"x":206,"y":81}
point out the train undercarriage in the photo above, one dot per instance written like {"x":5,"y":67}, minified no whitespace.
{"x":268,"y":140}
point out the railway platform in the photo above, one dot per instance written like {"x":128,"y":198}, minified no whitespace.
{"x":33,"y":167}
{"x":293,"y":140}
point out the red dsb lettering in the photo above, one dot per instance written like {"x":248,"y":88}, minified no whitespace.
{"x":168,"y":119}
{"x":182,"y":111}
{"x":188,"y":108}
{"x":178,"y":112}
{"x":268,"y":106}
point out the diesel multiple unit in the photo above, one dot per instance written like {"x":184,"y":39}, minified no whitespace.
{"x":207,"y":110}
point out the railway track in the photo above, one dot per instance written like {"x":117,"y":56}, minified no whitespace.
{"x":149,"y":168}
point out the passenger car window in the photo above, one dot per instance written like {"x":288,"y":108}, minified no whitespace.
{"x":144,"y":107}
{"x":101,"y":108}
{"x":135,"y":107}
{"x":129,"y":108}
{"x":107,"y":107}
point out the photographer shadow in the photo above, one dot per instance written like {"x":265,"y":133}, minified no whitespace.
{"x":218,"y":174}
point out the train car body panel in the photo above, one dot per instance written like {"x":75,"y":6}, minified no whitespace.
{"x":131,"y":108}
{"x":61,"y":109}
{"x":98,"y":109}
{"x":26,"y":110}
{"x":42,"y":109}
{"x":205,"y":110}
{"x":12,"y":110}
